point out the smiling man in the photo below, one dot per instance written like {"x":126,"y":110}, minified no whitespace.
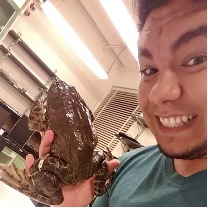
{"x":172,"y":91}
{"x":172,"y":95}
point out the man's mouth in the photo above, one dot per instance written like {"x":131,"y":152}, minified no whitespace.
{"x":172,"y":122}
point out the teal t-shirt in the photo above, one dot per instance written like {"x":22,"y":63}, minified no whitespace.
{"x":146,"y":177}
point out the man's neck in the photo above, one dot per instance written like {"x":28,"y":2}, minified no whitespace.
{"x":189,"y":167}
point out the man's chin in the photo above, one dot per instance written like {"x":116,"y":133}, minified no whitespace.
{"x":195,"y":152}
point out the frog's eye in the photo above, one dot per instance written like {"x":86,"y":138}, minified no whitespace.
{"x":196,"y":60}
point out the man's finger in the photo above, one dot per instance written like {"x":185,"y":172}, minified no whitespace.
{"x":113,"y":164}
{"x":46,"y":141}
{"x":29,"y":162}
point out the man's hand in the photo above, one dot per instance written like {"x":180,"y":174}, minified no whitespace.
{"x":80,"y":194}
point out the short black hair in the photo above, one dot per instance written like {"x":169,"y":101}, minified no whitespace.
{"x":143,"y":8}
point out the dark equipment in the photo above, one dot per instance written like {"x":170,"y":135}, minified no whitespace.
{"x":128,"y":141}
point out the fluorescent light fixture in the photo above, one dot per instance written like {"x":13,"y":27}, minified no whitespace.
{"x":120,"y":17}
{"x":73,"y":40}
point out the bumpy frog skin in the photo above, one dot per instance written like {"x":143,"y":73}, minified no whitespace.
{"x":72,"y":158}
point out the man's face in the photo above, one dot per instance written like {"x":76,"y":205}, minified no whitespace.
{"x":172,"y":90}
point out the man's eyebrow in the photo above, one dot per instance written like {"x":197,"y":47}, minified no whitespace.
{"x":185,"y":38}
{"x":145,"y":53}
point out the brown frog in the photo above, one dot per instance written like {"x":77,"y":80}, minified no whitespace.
{"x":73,"y":148}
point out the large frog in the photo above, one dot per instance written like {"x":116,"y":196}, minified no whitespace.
{"x":72,"y":150}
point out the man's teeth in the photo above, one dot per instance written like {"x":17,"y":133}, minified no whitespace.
{"x":175,"y":121}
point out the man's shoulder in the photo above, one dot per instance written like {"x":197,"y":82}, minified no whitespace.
{"x":142,"y":152}
{"x":146,"y":156}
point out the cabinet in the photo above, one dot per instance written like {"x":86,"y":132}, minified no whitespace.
{"x":7,"y":156}
{"x":8,"y":14}
{"x":9,"y":11}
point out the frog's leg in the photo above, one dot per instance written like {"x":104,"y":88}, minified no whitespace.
{"x":45,"y":174}
{"x":18,"y":180}
{"x":37,"y":120}
{"x":103,"y":177}
{"x":48,"y":186}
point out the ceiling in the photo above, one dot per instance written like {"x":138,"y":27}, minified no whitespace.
{"x":94,"y":27}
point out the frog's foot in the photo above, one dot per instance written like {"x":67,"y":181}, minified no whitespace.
{"x":48,"y":186}
{"x":48,"y":174}
{"x":18,"y":180}
{"x":14,"y":177}
{"x":102,"y":179}
{"x":48,"y":163}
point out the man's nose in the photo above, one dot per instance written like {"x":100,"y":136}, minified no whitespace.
{"x":166,"y":88}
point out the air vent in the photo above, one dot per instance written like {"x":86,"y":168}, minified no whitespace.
{"x":114,"y":115}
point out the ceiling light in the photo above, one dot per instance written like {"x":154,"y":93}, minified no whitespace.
{"x":124,"y":24}
{"x":73,"y":39}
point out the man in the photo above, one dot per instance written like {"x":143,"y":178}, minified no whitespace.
{"x":172,"y":96}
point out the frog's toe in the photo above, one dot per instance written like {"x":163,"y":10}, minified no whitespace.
{"x":103,"y":179}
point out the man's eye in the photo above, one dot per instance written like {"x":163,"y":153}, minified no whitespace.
{"x":149,"y":71}
{"x":196,"y":60}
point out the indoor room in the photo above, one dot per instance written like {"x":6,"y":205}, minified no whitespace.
{"x":73,"y":64}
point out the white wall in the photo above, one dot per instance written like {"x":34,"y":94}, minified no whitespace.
{"x":12,"y":198}
{"x":127,"y":80}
